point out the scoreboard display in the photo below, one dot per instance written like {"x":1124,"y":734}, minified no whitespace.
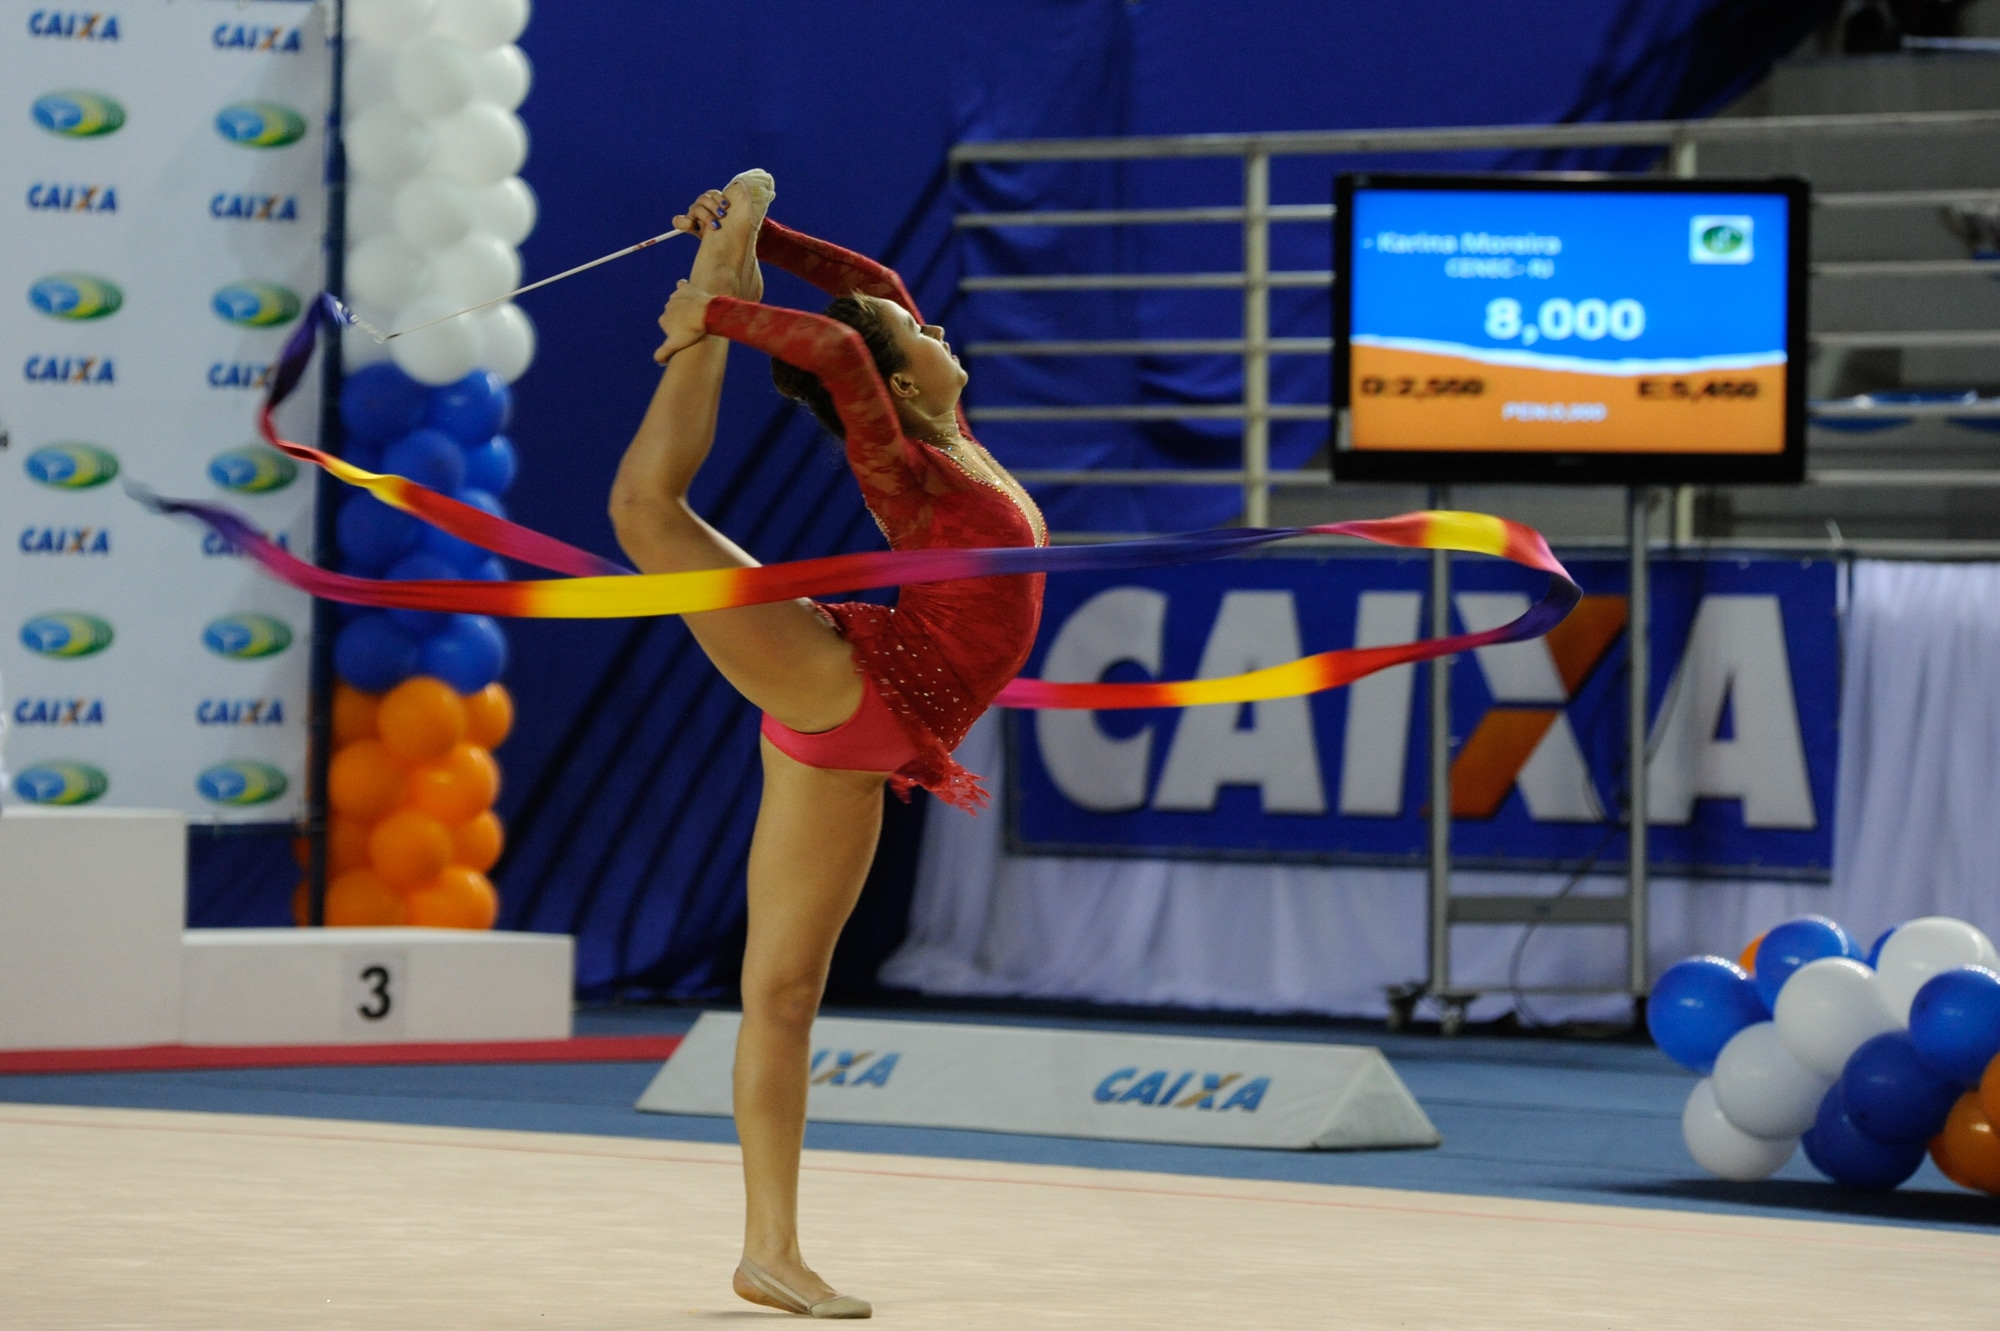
{"x":1537,"y":329}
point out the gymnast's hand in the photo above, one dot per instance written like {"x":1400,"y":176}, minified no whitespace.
{"x":683,"y":321}
{"x":704,"y":214}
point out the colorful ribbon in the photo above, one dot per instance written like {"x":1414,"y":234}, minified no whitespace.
{"x":597,"y":588}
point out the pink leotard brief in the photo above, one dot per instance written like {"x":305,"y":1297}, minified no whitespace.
{"x":871,"y":740}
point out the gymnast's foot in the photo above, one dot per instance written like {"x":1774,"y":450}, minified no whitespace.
{"x":748,"y":197}
{"x":796,"y":1290}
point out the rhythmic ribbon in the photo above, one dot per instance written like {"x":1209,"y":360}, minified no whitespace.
{"x":597,"y":588}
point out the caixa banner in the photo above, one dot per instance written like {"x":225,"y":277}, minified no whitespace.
{"x":1744,"y":674}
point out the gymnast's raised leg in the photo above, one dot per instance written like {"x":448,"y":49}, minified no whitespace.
{"x":816,"y":827}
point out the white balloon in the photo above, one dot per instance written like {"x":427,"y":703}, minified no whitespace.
{"x":481,"y":145}
{"x":432,"y":212}
{"x":434,"y":77}
{"x":502,"y":76}
{"x":506,"y":210}
{"x":1922,"y":948}
{"x":358,"y":349}
{"x":387,"y":21}
{"x":370,"y":210}
{"x":1724,"y":1149}
{"x":440,"y":355}
{"x":385,"y":145}
{"x":383,"y":272}
{"x":1828,"y":1009}
{"x":367,"y":71}
{"x":481,"y":24}
{"x":476,"y":270}
{"x":1762,"y":1089}
{"x":507,"y":341}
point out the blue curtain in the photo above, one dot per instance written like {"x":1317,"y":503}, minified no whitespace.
{"x":631,"y":780}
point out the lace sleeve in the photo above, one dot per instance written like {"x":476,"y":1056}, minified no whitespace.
{"x":886,"y":464}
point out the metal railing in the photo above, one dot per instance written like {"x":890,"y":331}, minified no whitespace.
{"x":1256,"y":215}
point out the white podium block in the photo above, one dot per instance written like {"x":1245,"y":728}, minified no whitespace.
{"x":92,"y":904}
{"x":374,"y":986}
{"x":1105,"y":1084}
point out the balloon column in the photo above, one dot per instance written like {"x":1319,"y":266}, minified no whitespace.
{"x":434,"y":213}
{"x":1866,"y":1064}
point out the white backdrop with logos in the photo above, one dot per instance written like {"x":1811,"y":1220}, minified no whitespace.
{"x":164,"y":166}
{"x":1915,"y":834}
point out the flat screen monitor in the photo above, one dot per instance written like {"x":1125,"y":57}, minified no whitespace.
{"x":1569,"y":329}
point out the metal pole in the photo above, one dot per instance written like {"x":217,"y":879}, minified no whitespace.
{"x":1686,"y":164}
{"x":319,"y":718}
{"x":1637,"y":640}
{"x":1256,"y":336}
{"x":1440,"y":765}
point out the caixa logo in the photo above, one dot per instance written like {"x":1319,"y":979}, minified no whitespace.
{"x":78,"y":115}
{"x":256,"y":304}
{"x":254,"y":207}
{"x":846,"y":1067}
{"x":247,"y":637}
{"x":260,"y":125}
{"x":59,"y":712}
{"x":65,"y":541}
{"x":256,"y":37}
{"x":77,"y":25}
{"x":61,"y":783}
{"x":69,"y":370}
{"x":76,"y":297}
{"x":239,"y":374}
{"x":241,"y":784}
{"x":66,"y":634}
{"x":254,"y":470}
{"x":71,"y":466}
{"x":240,"y":712}
{"x":1164,"y":1089}
{"x":56,"y":197}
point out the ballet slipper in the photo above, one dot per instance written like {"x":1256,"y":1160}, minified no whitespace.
{"x":775,"y":1293}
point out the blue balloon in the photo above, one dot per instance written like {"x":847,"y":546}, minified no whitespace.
{"x":1955,"y":1023}
{"x":1845,"y":1154}
{"x":371,"y":535}
{"x":492,"y":569}
{"x":363,"y":453}
{"x":415,"y":568}
{"x":431,"y":458}
{"x":472,"y":410}
{"x":461,"y":555}
{"x":1793,"y":944}
{"x":1697,"y":1005}
{"x":373,"y":655}
{"x":468,"y":655}
{"x":1875,"y":951}
{"x":1891,"y":1094}
{"x":381,"y":402}
{"x":491,"y":466}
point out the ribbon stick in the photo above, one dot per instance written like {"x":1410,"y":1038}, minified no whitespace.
{"x":601,"y":589}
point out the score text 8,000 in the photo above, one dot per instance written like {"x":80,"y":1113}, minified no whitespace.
{"x":1558,"y":319}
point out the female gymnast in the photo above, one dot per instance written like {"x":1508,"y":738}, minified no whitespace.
{"x":852,"y":694}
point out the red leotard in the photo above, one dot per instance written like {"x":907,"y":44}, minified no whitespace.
{"x":939,"y":657}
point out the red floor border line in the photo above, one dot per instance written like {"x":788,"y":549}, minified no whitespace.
{"x":181,"y":1057}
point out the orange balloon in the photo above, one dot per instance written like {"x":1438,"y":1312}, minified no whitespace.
{"x":1748,"y":961}
{"x":477,"y":844}
{"x":458,"y":898}
{"x":1989,"y":1090}
{"x":346,"y":845}
{"x":353,"y":714}
{"x":1968,"y":1150}
{"x":458,"y":788}
{"x":361,"y":899}
{"x":365,"y":780}
{"x":421,"y":719}
{"x":301,"y":904}
{"x":408,"y":848}
{"x":302,"y":851}
{"x":489,"y":716}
